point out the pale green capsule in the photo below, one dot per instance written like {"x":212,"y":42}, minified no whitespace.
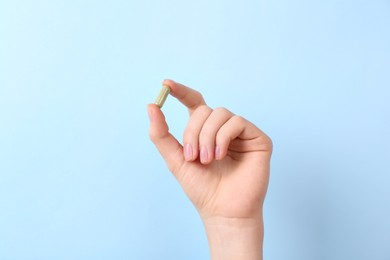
{"x":162,"y":96}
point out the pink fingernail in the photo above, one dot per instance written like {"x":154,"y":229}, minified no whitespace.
{"x":203,"y":155}
{"x":217,"y":152}
{"x":188,"y":152}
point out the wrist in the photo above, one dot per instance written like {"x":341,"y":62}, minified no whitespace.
{"x":235,"y":238}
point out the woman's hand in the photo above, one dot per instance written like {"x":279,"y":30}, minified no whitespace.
{"x":223,"y":165}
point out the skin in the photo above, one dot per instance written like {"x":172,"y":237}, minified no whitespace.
{"x":223,"y":166}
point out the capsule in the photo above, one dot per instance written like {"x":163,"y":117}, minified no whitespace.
{"x":162,"y":96}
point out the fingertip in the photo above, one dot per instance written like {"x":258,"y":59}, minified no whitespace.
{"x":157,"y":117}
{"x":174,"y":87}
{"x":168,"y":82}
{"x":152,"y":109}
{"x":152,"y":106}
{"x":206,"y":155}
{"x":158,"y":126}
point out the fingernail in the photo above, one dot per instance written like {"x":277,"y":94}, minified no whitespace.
{"x":217,"y":152}
{"x":203,"y":155}
{"x":188,"y":152}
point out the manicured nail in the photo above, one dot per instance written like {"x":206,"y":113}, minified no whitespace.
{"x":204,"y":156}
{"x":188,"y":152}
{"x":217,"y":152}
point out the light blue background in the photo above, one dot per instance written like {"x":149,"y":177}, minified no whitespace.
{"x":79,"y":178}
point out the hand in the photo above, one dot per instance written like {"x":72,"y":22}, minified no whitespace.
{"x":223,"y":166}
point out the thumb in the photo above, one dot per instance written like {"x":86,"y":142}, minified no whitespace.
{"x":168,"y":146}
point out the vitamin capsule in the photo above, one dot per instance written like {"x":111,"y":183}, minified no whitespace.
{"x":162,"y":96}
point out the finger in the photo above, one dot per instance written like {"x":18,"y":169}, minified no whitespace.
{"x":240,"y":135}
{"x":207,"y":137}
{"x":192,"y":131}
{"x":169,"y":148}
{"x":189,"y":97}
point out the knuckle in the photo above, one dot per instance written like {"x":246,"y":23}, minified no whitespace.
{"x":198,"y":99}
{"x":264,"y":142}
{"x":202,"y":109}
{"x":205,"y":108}
{"x":239,"y":119}
{"x":198,"y":95}
{"x":222,"y":138}
{"x":223,"y":111}
{"x":188,"y":134}
{"x":268,"y":142}
{"x":152,"y":136}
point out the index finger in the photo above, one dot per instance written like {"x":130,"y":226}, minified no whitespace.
{"x":189,"y":97}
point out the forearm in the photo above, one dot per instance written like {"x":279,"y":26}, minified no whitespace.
{"x":235,"y":239}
